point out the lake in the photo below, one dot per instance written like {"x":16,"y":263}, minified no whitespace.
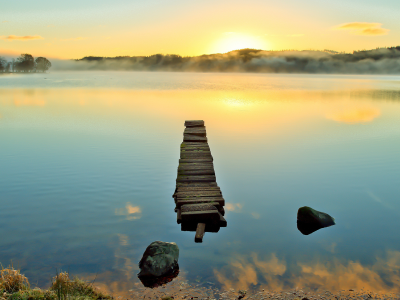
{"x":88,"y":166}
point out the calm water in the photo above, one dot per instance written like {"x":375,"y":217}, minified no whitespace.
{"x":88,"y":166}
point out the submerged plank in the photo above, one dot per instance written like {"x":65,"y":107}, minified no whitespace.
{"x":201,"y":227}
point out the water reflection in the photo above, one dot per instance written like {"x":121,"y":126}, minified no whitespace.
{"x":358,"y":115}
{"x":273,"y":274}
{"x":131,"y":212}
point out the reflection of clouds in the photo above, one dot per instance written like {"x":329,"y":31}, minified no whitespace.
{"x":355,"y":115}
{"x":233,"y":207}
{"x":244,"y":271}
{"x":123,"y":239}
{"x":131,"y":212}
{"x":255,"y":215}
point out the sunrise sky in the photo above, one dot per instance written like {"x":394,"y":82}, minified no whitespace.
{"x":78,"y":28}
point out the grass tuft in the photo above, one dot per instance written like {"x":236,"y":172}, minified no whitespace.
{"x":12,"y":281}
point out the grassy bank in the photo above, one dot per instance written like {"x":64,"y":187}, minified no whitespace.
{"x":15,"y":286}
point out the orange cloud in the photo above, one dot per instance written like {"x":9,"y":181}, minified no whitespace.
{"x":233,"y":206}
{"x":131,"y":212}
{"x":381,"y":277}
{"x":355,"y":115}
{"x":21,"y":38}
{"x":363,"y":28}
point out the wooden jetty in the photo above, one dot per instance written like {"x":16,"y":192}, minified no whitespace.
{"x":198,"y":199}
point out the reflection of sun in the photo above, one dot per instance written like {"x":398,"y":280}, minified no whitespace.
{"x":234,"y":41}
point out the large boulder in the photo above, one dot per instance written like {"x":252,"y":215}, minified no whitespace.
{"x":310,"y":220}
{"x":160,"y":259}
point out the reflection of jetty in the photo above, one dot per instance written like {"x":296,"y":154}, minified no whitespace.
{"x":198,"y":199}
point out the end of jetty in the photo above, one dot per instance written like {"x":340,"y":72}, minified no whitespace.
{"x":198,"y":199}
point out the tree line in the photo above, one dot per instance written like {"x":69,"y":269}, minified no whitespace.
{"x":24,"y":64}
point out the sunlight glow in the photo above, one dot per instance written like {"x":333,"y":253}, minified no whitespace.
{"x":235,"y":41}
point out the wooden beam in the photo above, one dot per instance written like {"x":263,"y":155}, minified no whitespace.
{"x":194,"y":123}
{"x":200,"y":232}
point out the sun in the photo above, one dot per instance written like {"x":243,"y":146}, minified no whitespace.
{"x":235,"y":41}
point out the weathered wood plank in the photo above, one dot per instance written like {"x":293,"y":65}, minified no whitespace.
{"x":200,"y":216}
{"x":196,"y":155}
{"x":179,"y":217}
{"x":194,"y":138}
{"x":193,"y":144}
{"x":195,"y":149}
{"x":191,"y":167}
{"x":195,"y":188}
{"x":194,"y":123}
{"x":196,"y":172}
{"x":196,"y":184}
{"x":199,"y":131}
{"x":201,"y":227}
{"x":220,"y":201}
{"x":222,"y":221}
{"x":198,"y":178}
{"x":192,"y":194}
{"x":196,"y":160}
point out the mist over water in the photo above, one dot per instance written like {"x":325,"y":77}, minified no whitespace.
{"x":89,"y":167}
{"x":378,"y":61}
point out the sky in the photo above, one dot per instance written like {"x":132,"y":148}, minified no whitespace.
{"x":77,"y":28}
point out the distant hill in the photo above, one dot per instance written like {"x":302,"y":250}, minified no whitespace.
{"x":376,"y":61}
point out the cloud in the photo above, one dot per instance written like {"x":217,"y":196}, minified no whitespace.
{"x":363,"y":28}
{"x":5,"y":21}
{"x":351,"y":116}
{"x":272,"y":274}
{"x":131,"y":212}
{"x":74,"y":39}
{"x":233,"y":207}
{"x":21,"y":38}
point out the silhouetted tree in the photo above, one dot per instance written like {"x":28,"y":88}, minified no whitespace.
{"x":25,"y":63}
{"x":42,"y":64}
{"x":3,"y":64}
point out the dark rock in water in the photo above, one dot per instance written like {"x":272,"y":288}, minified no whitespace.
{"x":154,"y":282}
{"x":159,"y":264}
{"x":310,"y":220}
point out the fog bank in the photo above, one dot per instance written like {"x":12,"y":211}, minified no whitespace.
{"x":377,"y":61}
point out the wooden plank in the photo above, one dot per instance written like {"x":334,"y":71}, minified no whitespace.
{"x":179,"y":217}
{"x":196,"y":149}
{"x":191,"y":167}
{"x":194,"y":138}
{"x":193,"y":194}
{"x":198,"y":178}
{"x":222,"y":221}
{"x":193,"y":144}
{"x":220,"y":201}
{"x":196,"y":172}
{"x":196,"y":184}
{"x":196,"y":155}
{"x":199,"y":131}
{"x":200,"y":216}
{"x":196,"y":165}
{"x":194,"y":123}
{"x":201,"y":227}
{"x":195,"y":188}
{"x":196,"y":160}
